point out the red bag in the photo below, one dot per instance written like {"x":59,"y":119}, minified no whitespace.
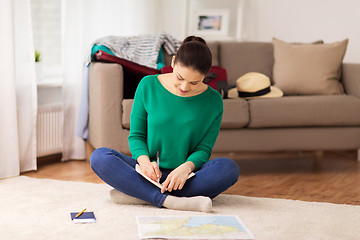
{"x":131,"y":67}
{"x":216,"y":77}
{"x":133,"y":72}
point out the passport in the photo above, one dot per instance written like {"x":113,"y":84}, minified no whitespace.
{"x":85,"y":217}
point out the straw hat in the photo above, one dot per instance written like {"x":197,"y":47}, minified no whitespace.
{"x":254,"y":85}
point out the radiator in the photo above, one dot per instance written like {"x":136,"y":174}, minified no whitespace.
{"x":49,"y":129}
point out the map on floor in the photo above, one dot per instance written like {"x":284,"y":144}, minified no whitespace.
{"x":192,"y":227}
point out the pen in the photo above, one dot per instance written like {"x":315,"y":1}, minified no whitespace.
{"x":158,"y":161}
{"x":80,"y":213}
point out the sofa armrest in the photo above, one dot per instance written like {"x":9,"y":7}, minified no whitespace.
{"x":351,"y":78}
{"x":105,"y":104}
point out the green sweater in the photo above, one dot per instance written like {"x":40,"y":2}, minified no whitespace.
{"x":180,"y":128}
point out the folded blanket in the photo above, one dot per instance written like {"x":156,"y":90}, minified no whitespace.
{"x":142,"y":49}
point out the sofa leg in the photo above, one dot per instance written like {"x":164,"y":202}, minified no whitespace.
{"x":89,"y":150}
{"x":317,"y":162}
{"x":319,"y":154}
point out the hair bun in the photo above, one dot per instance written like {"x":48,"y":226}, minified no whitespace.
{"x":194,"y":53}
{"x":194,"y":39}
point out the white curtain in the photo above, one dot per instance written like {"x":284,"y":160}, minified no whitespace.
{"x":73,"y":146}
{"x":84,"y":22}
{"x":18,"y":93}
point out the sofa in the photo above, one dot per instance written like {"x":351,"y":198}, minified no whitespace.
{"x":299,"y":122}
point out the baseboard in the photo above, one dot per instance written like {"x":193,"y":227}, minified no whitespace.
{"x":54,"y":158}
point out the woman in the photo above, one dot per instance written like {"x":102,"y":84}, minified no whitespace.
{"x":179,"y":116}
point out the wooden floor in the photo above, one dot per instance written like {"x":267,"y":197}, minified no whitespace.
{"x":333,"y":177}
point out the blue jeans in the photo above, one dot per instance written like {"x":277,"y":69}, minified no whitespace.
{"x":118,"y":170}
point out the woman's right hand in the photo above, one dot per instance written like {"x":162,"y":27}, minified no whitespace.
{"x":150,"y":169}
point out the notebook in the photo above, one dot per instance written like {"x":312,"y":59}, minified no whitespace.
{"x":85,"y":217}
{"x":159,"y":185}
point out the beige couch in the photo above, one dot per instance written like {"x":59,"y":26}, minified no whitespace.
{"x":315,"y":122}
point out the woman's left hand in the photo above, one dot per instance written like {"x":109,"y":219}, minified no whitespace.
{"x":177,"y":178}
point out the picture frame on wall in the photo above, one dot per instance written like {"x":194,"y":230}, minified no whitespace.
{"x":210,"y":23}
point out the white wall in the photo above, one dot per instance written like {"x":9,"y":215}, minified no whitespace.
{"x":304,"y":21}
{"x":179,"y":14}
{"x":289,"y":20}
{"x":120,"y":18}
{"x":174,"y":14}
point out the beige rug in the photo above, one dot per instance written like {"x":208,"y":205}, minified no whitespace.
{"x":39,"y":209}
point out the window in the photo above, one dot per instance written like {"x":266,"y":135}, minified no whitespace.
{"x":47,"y":33}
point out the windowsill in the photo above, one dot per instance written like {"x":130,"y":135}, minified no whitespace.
{"x":50,"y":83}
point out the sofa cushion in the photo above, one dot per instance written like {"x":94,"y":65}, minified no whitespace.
{"x":214,"y":48}
{"x":239,"y":58}
{"x":308,"y":69}
{"x":236,"y":113}
{"x":305,"y":111}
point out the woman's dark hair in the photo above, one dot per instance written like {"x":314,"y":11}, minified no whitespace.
{"x":194,"y":53}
